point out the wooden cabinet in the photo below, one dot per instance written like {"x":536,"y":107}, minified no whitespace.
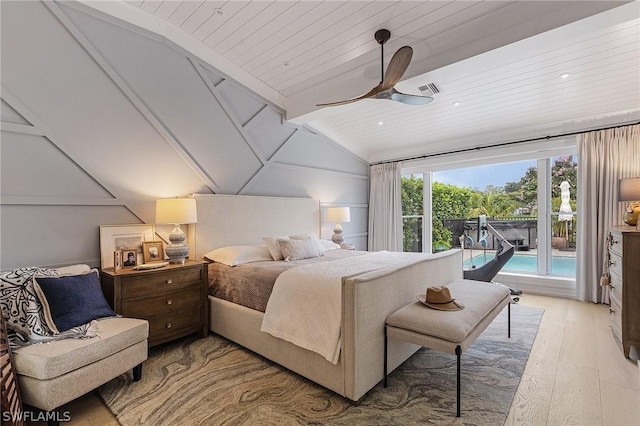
{"x":172,"y":298}
{"x":624,"y":252}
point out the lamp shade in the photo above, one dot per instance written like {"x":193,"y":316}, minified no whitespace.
{"x":176,"y":210}
{"x":339,"y":214}
{"x":629,"y":189}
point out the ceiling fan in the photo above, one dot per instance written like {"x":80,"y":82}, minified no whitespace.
{"x":397,"y":66}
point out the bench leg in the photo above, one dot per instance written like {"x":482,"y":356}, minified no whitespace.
{"x":385,"y":355}
{"x":137,"y":372}
{"x":509,"y":320}
{"x":458,"y":353}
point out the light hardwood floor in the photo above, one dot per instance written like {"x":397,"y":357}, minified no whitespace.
{"x":576,"y":374}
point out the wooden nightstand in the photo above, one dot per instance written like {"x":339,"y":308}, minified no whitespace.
{"x":172,"y":298}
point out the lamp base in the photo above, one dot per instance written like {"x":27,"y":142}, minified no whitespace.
{"x":177,"y":251}
{"x":632,"y":214}
{"x":337,"y":236}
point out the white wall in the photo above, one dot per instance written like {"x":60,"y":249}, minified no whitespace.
{"x":100,"y":118}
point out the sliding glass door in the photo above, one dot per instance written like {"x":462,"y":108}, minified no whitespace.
{"x":530,"y":203}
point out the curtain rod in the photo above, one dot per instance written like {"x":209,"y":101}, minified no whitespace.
{"x":478,"y":148}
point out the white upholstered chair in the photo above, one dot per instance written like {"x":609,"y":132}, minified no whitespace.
{"x":57,"y":371}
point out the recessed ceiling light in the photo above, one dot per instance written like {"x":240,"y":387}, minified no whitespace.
{"x":565,"y":75}
{"x":456,"y":103}
{"x":380,"y":123}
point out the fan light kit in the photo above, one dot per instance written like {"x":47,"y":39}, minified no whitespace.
{"x":397,"y":67}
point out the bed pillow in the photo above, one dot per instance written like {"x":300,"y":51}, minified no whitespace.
{"x":299,"y":249}
{"x":329,"y":245}
{"x":237,"y":255}
{"x":273,"y":247}
{"x":312,"y":237}
{"x":72,"y":300}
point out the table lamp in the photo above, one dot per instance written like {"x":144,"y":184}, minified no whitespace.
{"x":338,"y":215}
{"x":629,"y":190}
{"x":176,"y":211}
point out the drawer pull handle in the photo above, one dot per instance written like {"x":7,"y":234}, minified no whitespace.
{"x":169,"y":301}
{"x":612,"y":263}
{"x":611,"y":311}
{"x":168,"y":325}
{"x":169,"y":281}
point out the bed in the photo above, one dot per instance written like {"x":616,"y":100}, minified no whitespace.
{"x":366,"y":298}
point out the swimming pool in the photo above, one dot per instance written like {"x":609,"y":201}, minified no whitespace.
{"x":527,"y":263}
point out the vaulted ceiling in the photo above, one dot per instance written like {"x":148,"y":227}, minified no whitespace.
{"x":497,"y":64}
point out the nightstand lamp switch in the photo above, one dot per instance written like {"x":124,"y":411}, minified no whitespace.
{"x":176,"y":211}
{"x":338,"y":215}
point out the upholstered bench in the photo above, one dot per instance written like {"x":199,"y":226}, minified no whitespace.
{"x":54,"y":373}
{"x":449,"y":331}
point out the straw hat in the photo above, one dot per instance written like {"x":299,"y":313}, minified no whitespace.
{"x":440,"y":298}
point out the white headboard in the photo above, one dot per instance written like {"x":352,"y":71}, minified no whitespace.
{"x":226,"y":220}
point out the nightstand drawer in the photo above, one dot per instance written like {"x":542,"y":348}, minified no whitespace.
{"x":615,"y":311}
{"x":615,"y":267}
{"x":152,"y":283}
{"x":144,"y":308}
{"x":616,"y":243}
{"x":169,"y":325}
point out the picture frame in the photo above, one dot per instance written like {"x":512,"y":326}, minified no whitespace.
{"x":119,"y":237}
{"x":152,"y":251}
{"x":117,"y":260}
{"x":129,"y":258}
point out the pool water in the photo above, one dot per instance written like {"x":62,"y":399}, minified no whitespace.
{"x":527,"y":263}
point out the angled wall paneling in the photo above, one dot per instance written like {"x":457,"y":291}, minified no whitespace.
{"x":118,"y":116}
{"x":47,"y":199}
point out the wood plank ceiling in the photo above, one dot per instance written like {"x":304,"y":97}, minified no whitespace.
{"x":499,"y":61}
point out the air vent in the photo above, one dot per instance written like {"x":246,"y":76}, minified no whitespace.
{"x":429,"y":89}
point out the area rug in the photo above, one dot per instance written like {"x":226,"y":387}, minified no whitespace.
{"x":212,"y":381}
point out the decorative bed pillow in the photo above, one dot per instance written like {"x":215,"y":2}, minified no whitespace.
{"x":237,"y":255}
{"x":273,"y":247}
{"x":329,"y":245}
{"x":299,"y":249}
{"x":72,"y":300}
{"x":310,"y":237}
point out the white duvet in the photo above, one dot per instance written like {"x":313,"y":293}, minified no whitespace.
{"x":305,"y":305}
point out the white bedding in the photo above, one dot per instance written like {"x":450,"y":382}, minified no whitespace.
{"x":304,"y":307}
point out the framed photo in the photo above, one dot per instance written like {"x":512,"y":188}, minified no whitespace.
{"x":129,"y":258}
{"x":117,"y":260}
{"x":152,"y":251}
{"x":120,"y":237}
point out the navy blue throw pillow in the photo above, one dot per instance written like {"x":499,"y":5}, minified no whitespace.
{"x":70,"y":301}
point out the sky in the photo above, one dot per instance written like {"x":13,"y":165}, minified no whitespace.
{"x":480,"y":176}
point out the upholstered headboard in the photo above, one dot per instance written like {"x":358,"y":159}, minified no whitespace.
{"x":226,"y":220}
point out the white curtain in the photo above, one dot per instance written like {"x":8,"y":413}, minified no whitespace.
{"x":385,"y":208}
{"x":604,"y":157}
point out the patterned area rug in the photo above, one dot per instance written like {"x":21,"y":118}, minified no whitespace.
{"x":213,"y":381}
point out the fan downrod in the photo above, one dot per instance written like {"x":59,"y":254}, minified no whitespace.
{"x":382,"y":36}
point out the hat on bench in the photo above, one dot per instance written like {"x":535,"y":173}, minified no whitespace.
{"x":440,"y":298}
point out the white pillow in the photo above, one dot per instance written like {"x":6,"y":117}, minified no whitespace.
{"x":310,"y":237}
{"x":299,"y":249}
{"x":74,"y":270}
{"x":273,"y":247}
{"x":237,"y":255}
{"x":329,"y":245}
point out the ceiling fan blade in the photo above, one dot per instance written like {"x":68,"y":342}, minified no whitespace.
{"x":371,"y":93}
{"x":410,"y":99}
{"x":397,"y":66}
